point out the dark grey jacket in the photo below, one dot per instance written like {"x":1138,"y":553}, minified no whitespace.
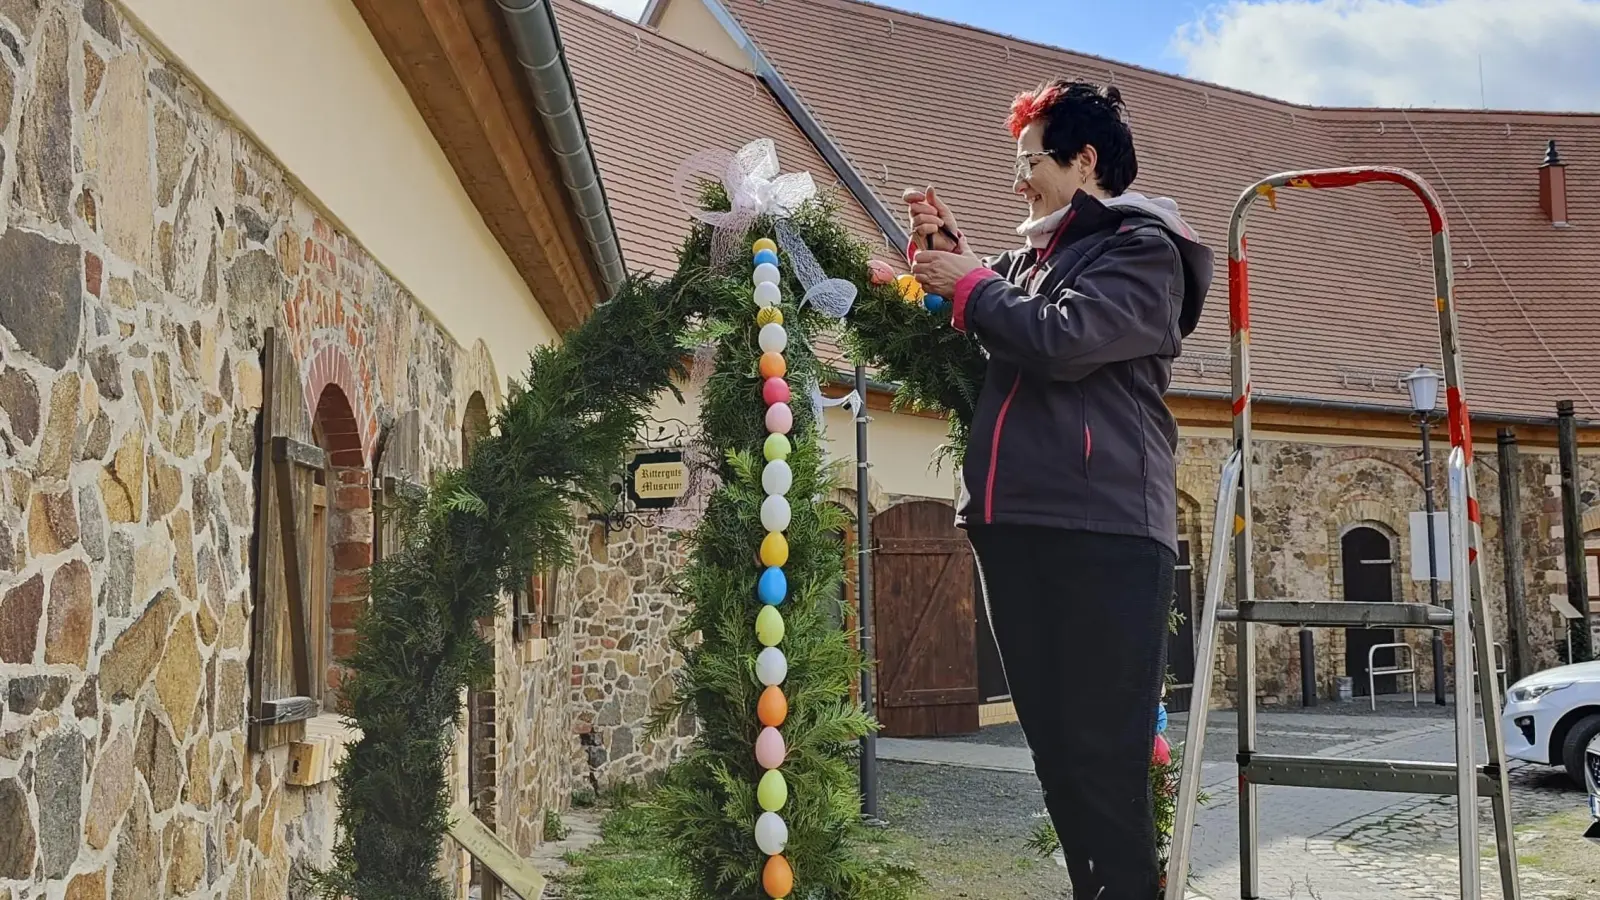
{"x":1071,"y":430}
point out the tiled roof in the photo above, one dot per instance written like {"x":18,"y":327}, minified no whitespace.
{"x":1341,"y":283}
{"x":649,"y":103}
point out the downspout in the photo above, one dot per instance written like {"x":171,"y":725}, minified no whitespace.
{"x":532,"y":24}
{"x":809,"y":126}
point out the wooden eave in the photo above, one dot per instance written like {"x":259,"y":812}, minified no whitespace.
{"x":458,"y":64}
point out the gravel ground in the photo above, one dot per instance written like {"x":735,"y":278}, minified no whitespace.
{"x":968,"y":831}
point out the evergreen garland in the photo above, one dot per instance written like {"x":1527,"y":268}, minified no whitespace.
{"x":479,"y":531}
{"x":707,"y":809}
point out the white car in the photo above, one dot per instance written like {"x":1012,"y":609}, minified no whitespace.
{"x":1551,"y":718}
{"x":1591,"y":775}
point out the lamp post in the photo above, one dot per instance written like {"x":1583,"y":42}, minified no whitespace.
{"x":1423,"y":385}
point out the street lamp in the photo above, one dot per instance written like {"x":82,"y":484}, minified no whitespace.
{"x":1423,"y":385}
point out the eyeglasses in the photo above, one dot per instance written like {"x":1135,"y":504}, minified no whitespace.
{"x":1024,"y":166}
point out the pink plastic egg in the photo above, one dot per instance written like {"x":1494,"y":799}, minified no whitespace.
{"x":775,"y":390}
{"x":880,"y":271}
{"x":770,"y":751}
{"x":1163,"y":752}
{"x":779,"y":418}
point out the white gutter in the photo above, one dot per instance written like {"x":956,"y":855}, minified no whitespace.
{"x":532,"y":24}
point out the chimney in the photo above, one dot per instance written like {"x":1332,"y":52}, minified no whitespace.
{"x":1553,"y":186}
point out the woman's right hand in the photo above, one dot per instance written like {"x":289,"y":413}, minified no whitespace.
{"x":930,"y":217}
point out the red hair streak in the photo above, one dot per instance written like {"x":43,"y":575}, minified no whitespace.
{"x":1029,"y":106}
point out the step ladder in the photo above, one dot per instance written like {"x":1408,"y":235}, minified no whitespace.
{"x":1465,"y":778}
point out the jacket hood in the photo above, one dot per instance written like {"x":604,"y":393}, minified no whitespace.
{"x":1198,"y":266}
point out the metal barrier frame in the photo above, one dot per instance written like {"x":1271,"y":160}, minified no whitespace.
{"x":1409,"y":670}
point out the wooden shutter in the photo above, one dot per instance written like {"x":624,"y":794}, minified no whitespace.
{"x":399,"y":468}
{"x":282,"y":693}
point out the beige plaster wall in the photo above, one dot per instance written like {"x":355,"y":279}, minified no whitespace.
{"x":309,"y":82}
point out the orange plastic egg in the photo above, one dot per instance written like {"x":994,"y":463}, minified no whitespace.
{"x":773,"y":366}
{"x":777,"y":877}
{"x":773,"y":708}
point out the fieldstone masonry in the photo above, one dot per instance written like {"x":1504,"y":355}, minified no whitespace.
{"x":147,"y":243}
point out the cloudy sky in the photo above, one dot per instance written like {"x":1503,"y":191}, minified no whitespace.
{"x":1532,"y":54}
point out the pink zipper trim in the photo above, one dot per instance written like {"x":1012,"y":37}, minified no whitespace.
{"x":1088,"y":443}
{"x":994,"y":452}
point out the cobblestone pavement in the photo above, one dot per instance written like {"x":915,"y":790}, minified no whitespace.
{"x":1332,"y":845}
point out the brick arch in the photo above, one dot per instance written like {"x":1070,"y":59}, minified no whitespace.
{"x":1367,"y":512}
{"x":336,"y":420}
{"x":331,"y":367}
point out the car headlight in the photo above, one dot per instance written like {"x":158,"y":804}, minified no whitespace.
{"x":1529,"y":694}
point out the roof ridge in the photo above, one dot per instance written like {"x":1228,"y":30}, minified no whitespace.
{"x":1184,"y":79}
{"x":646,"y":30}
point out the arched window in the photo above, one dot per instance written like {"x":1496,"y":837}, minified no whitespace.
{"x":340,"y":541}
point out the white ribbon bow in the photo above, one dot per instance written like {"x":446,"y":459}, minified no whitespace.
{"x":756,"y":189}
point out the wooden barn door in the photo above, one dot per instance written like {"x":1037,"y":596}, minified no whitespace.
{"x":925,"y":622}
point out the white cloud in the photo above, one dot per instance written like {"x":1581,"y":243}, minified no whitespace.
{"x":633,"y":9}
{"x":1534,"y":54}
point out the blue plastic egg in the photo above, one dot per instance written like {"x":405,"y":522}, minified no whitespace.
{"x":773,"y":586}
{"x":933,"y":303}
{"x":766,"y":256}
{"x":1161,"y":718}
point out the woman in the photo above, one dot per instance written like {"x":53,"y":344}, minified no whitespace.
{"x":1069,"y":484}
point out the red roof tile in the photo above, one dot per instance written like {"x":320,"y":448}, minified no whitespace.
{"x":1341,"y":286}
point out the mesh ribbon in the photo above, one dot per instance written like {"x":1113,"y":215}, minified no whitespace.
{"x":755,"y":189}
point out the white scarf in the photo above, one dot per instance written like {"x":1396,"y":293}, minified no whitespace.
{"x":1038,"y":232}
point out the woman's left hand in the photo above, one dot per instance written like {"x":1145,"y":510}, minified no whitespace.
{"x":938,"y":271}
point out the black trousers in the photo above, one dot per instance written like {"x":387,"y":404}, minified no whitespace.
{"x":1081,"y":622}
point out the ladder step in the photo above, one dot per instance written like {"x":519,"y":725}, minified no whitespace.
{"x":1338,"y":614}
{"x":1392,"y":776}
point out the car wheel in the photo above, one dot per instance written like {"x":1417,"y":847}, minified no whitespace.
{"x":1578,"y":737}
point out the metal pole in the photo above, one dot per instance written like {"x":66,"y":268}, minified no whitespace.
{"x":1572,"y":531}
{"x":1308,"y":668}
{"x":1433,"y":557}
{"x":869,"y":744}
{"x":1521,"y":660}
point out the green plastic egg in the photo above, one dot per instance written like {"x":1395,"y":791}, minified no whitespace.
{"x":769,"y":626}
{"x":776,"y":448}
{"x":773,"y":792}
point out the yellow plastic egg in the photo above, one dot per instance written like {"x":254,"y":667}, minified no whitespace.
{"x":910,"y":288}
{"x":769,"y":315}
{"x":774,"y":549}
{"x":763,"y":244}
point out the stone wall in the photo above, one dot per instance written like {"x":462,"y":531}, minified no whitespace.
{"x":622,"y":614}
{"x":148,"y":244}
{"x":1308,"y":495}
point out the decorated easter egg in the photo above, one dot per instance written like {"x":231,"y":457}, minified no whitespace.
{"x":777,"y":478}
{"x":772,"y":667}
{"x":774,"y":550}
{"x":769,"y":626}
{"x":773,"y":585}
{"x":769,"y":315}
{"x":769,"y":748}
{"x":777,"y":879}
{"x":775,"y":513}
{"x":780,"y":418}
{"x":775,"y":390}
{"x":776,"y":447}
{"x":772,"y":834}
{"x":880,"y":272}
{"x":773,"y":707}
{"x":773,"y":792}
{"x":773,"y":338}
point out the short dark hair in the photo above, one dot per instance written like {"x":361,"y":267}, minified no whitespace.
{"x":1078,"y":114}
